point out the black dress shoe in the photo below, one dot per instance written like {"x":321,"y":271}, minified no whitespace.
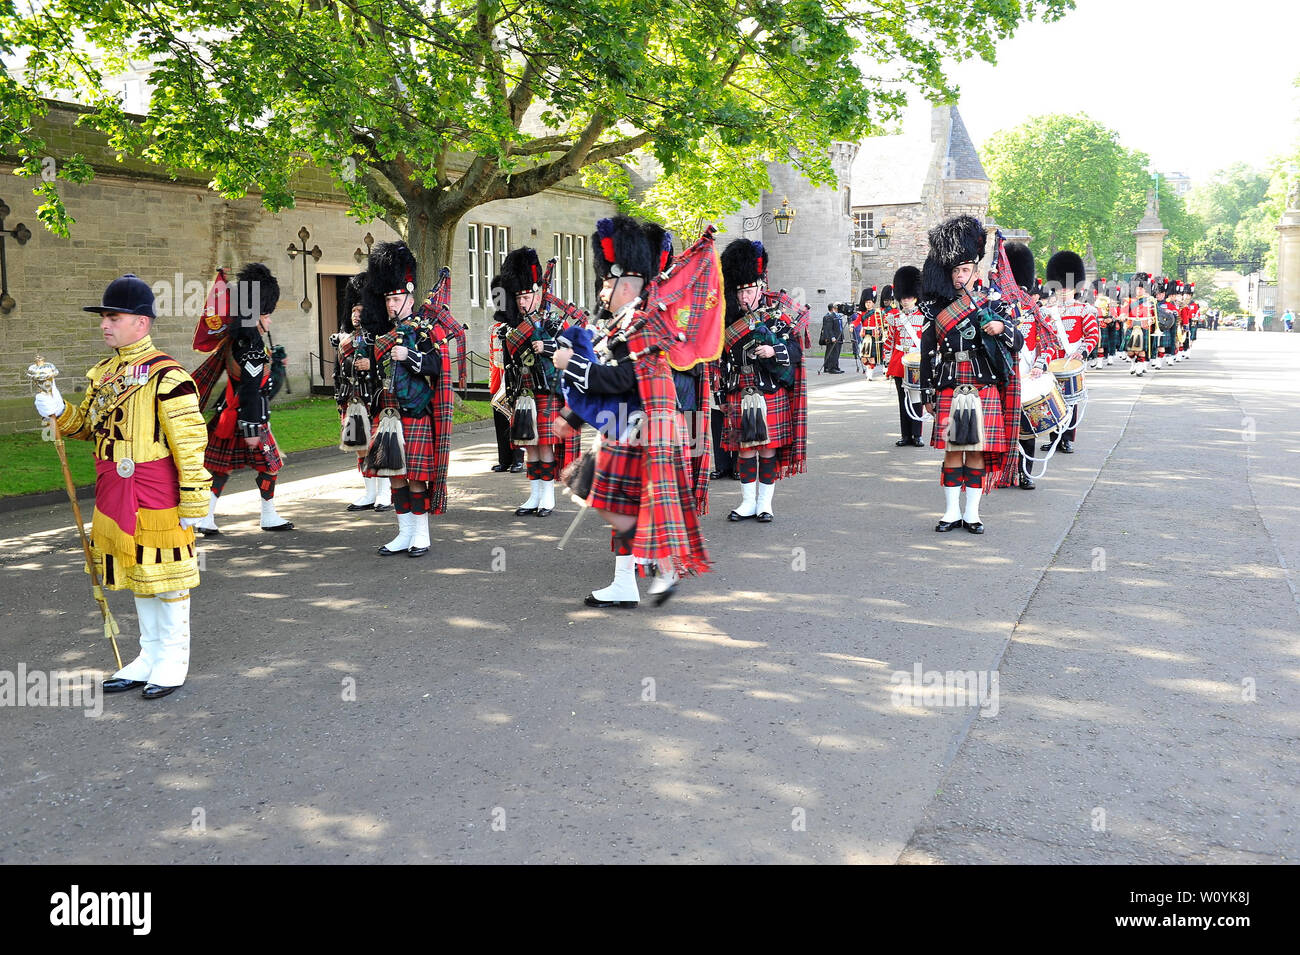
{"x":500,"y":467}
{"x":155,"y":692}
{"x":286,"y":526}
{"x":944,"y":527}
{"x":903,"y":443}
{"x":385,"y":552}
{"x":918,"y":443}
{"x":765,"y":517}
{"x":522,"y":511}
{"x":416,"y":551}
{"x":591,"y":601}
{"x":208,"y":531}
{"x":1067,"y":447}
{"x":361,"y":507}
{"x":976,"y":528}
{"x":733,"y":517}
{"x":544,"y":511}
{"x":516,"y":468}
{"x":120,"y":685}
{"x":380,"y":508}
{"x":1026,"y":482}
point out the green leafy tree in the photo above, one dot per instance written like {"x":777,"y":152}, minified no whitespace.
{"x":1226,"y":301}
{"x":1072,"y":184}
{"x":425,"y":109}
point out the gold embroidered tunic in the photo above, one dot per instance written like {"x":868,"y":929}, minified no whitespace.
{"x":141,"y":411}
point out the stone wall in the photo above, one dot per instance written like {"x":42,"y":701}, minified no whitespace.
{"x":134,"y":218}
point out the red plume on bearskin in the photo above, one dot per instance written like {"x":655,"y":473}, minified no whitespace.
{"x":687,"y":305}
{"x":622,"y":242}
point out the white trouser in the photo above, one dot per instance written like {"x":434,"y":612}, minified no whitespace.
{"x":164,"y":657}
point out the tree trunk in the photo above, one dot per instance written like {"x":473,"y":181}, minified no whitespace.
{"x":431,"y":236}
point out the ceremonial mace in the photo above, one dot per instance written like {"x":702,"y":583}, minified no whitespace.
{"x":42,"y":373}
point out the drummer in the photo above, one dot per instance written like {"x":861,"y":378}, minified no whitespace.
{"x":1075,"y":322}
{"x":1040,"y":347}
{"x":903,"y":338}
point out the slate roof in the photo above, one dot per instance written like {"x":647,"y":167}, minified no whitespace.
{"x":892,"y":170}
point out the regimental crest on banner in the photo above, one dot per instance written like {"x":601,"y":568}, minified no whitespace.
{"x":690,"y":303}
{"x":211,"y":329}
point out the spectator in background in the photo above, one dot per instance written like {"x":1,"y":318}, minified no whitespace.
{"x":832,"y":337}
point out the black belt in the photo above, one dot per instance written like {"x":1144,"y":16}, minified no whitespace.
{"x":956,"y":356}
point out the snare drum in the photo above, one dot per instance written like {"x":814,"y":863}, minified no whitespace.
{"x":1042,"y":407}
{"x":1069,"y":375}
{"x":912,"y":371}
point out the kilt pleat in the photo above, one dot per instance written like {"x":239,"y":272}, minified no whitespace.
{"x":225,"y":455}
{"x":619,"y":473}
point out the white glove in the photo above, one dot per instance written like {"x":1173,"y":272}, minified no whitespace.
{"x":50,"y":405}
{"x":191,"y":521}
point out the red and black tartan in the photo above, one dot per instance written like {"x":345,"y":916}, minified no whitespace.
{"x":225,"y":455}
{"x":620,"y":470}
{"x":995,"y":432}
{"x":780,"y":419}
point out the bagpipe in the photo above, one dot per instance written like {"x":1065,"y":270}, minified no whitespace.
{"x":435,"y":315}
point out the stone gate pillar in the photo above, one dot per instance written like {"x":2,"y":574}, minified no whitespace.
{"x":1288,"y":257}
{"x":1150,"y":235}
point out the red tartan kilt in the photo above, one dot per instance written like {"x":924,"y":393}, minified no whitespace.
{"x":995,"y":434}
{"x":780,"y":421}
{"x":548,"y":409}
{"x":417,"y":437}
{"x":225,"y":455}
{"x":619,"y":473}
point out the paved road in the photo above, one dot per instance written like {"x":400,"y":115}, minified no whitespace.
{"x":496,"y":719}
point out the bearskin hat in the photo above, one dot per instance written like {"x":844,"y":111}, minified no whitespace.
{"x":392,"y":269}
{"x":520,"y":272}
{"x":952,"y":243}
{"x":868,"y":296}
{"x":1066,"y":270}
{"x":1022,"y":264}
{"x":256,"y":293}
{"x":907,"y":282}
{"x":887,"y":294}
{"x":744,"y":262}
{"x":354,"y":294}
{"x":1142,"y":279}
{"x":620,"y":246}
{"x":661,"y":245}
{"x":354,"y":291}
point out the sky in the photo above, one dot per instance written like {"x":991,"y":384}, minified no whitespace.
{"x":1148,"y":69}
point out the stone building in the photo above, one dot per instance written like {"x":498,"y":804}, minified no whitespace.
{"x":906,"y":182}
{"x":174,"y":233}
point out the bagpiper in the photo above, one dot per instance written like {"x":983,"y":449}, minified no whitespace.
{"x":968,"y":374}
{"x":641,"y":484}
{"x":239,"y":432}
{"x":410,"y":442}
{"x":904,"y":338}
{"x":356,"y":389}
{"x":764,"y":383}
{"x":531,"y":379}
{"x":141,"y":411}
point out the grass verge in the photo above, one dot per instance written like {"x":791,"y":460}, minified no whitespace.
{"x":31,"y":464}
